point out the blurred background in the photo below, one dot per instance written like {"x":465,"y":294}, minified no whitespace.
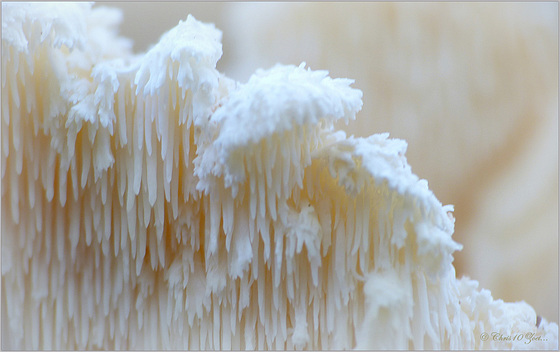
{"x":472,"y":88}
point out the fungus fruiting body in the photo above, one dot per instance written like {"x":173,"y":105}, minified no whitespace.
{"x":150,"y":202}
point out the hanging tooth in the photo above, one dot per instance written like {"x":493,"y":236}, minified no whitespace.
{"x":271,"y":198}
{"x":84,"y":332}
{"x":161,"y":253}
{"x":16,"y":139}
{"x":123,"y":229}
{"x":62,"y":188}
{"x":176,"y":146}
{"x":5,"y":105}
{"x":307,"y":152}
{"x":286,"y":175}
{"x":182,"y":111}
{"x":270,"y":184}
{"x":126,"y":287}
{"x":159,"y":209}
{"x":186,"y":145}
{"x":215,"y":212}
{"x":310,"y":187}
{"x":139,"y":312}
{"x":169,"y":160}
{"x":352,"y":228}
{"x":60,"y":233}
{"x":175,"y":196}
{"x":139,"y":122}
{"x":121,"y":116}
{"x":21,"y":239}
{"x":88,"y":287}
{"x":39,"y":213}
{"x":96,"y":209}
{"x":263,"y":228}
{"x":153,"y":248}
{"x":106,"y":292}
{"x":107,"y":219}
{"x":30,"y":246}
{"x":138,"y":170}
{"x":74,"y":229}
{"x":253,"y":198}
{"x":117,"y":282}
{"x":103,"y":183}
{"x":48,"y":232}
{"x":116,"y":230}
{"x":39,"y":154}
{"x":74,"y":179}
{"x":165,"y":139}
{"x":163,"y":121}
{"x":14,"y":86}
{"x":255,"y":246}
{"x":228,"y":218}
{"x":59,"y":322}
{"x":97,"y":280}
{"x":131,"y":218}
{"x":164,"y":323}
{"x":261,"y":336}
{"x":141,"y":249}
{"x":129,"y":118}
{"x":33,"y":111}
{"x":121,"y":172}
{"x":86,"y":160}
{"x":133,"y":247}
{"x":105,"y":245}
{"x":296,"y":151}
{"x":173,"y":94}
{"x":71,"y":295}
{"x":258,"y":159}
{"x":35,"y":326}
{"x":233,"y":310}
{"x":153,"y":327}
{"x":249,"y":331}
{"x":278,"y":262}
{"x":147,"y":211}
{"x":4,"y":163}
{"x":262,"y":196}
{"x":166,"y":189}
{"x":87,"y":224}
{"x":154,"y":116}
{"x":151,"y":169}
{"x":130,"y":171}
{"x":148,"y":119}
{"x":5,"y":145}
{"x":14,"y":194}
{"x":365,"y":223}
{"x":49,"y":169}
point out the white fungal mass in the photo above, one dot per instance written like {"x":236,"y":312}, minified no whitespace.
{"x":149,"y":202}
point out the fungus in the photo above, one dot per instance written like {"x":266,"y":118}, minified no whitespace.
{"x":150,"y":202}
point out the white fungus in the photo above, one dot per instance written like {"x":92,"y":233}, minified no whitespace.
{"x":150,"y":202}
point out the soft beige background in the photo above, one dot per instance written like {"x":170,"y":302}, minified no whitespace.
{"x":472,"y":87}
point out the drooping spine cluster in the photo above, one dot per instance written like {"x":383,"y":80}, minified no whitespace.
{"x":94,"y":170}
